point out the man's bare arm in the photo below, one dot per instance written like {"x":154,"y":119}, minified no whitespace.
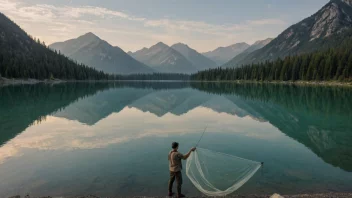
{"x":189,"y":153}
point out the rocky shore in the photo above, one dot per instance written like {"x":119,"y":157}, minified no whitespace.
{"x":321,"y":195}
{"x":6,"y":81}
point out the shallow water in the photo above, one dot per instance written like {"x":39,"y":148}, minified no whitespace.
{"x":113,"y":139}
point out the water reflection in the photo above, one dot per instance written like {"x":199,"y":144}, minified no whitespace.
{"x":318,"y":117}
{"x":86,"y":123}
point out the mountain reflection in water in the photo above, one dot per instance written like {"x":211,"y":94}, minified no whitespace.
{"x":317,"y":117}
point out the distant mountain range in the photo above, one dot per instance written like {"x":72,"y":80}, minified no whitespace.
{"x":99,"y":54}
{"x":317,"y":32}
{"x":222,"y":55}
{"x":198,"y":60}
{"x":257,"y":45}
{"x":313,"y":33}
{"x":165,"y":59}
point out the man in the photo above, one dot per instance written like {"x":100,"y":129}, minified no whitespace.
{"x":175,"y":166}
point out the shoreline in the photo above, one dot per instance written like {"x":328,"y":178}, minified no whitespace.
{"x":6,"y":81}
{"x":317,"y":195}
{"x":301,"y":83}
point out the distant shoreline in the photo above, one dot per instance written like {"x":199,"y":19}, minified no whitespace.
{"x":318,"y":83}
{"x":6,"y":81}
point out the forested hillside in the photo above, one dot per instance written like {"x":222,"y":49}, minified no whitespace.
{"x":21,"y":56}
{"x":327,"y":65}
{"x":309,"y":35}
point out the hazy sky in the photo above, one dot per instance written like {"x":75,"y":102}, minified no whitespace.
{"x":133,"y":24}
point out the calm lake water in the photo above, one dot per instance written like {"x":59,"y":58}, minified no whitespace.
{"x":113,"y":139}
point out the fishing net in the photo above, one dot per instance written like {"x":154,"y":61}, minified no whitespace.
{"x":219,"y":174}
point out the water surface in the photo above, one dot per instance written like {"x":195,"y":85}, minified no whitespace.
{"x":113,"y":139}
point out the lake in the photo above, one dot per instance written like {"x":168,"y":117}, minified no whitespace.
{"x":112,"y":139}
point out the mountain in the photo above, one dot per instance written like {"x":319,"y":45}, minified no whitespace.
{"x":99,"y":54}
{"x":222,"y":55}
{"x":198,"y":60}
{"x":316,"y":32}
{"x":164,"y":59}
{"x":23,"y":57}
{"x":257,"y":45}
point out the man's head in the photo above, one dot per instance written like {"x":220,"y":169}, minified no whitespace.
{"x":174,"y":145}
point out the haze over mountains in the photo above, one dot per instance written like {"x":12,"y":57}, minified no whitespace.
{"x":99,"y":54}
{"x":198,"y":60}
{"x":257,"y":45}
{"x":223,"y":54}
{"x":313,"y":33}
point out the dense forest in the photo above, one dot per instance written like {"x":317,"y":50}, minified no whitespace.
{"x":22,"y":56}
{"x":332,"y":64}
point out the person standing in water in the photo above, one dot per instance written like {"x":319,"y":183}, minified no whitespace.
{"x":175,"y":166}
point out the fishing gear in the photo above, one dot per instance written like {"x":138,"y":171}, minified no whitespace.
{"x":201,"y":136}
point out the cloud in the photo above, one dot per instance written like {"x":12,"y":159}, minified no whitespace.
{"x":56,"y":23}
{"x":266,"y":22}
{"x":78,"y":12}
{"x":196,"y":26}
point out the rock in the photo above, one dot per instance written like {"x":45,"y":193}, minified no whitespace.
{"x":17,"y":196}
{"x":276,"y":196}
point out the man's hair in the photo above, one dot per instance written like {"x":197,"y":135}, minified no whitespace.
{"x":174,"y":145}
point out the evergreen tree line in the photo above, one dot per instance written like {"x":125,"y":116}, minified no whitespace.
{"x":334,"y":64}
{"x":154,"y":76}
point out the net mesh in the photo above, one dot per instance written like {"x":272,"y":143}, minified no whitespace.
{"x":219,"y":174}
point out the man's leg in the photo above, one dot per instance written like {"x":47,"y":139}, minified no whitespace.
{"x":179,"y":182}
{"x":171,"y":181}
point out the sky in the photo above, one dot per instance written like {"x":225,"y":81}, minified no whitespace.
{"x":202,"y":24}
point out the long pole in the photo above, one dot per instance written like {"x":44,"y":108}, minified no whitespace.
{"x":201,"y":136}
